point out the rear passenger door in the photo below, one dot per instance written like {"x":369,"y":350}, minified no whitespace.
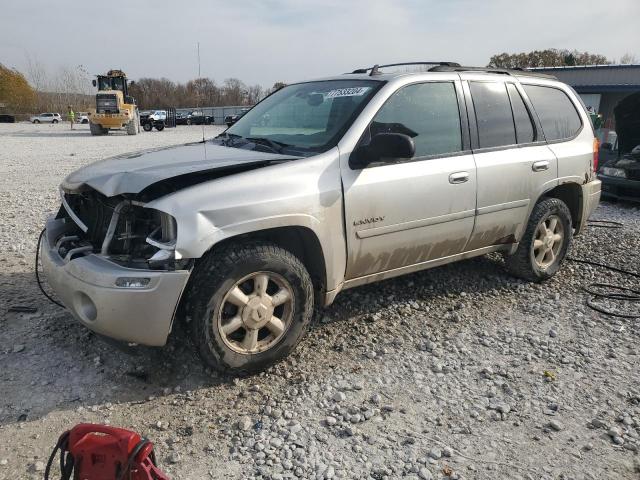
{"x":561,"y":124}
{"x":514,"y":164}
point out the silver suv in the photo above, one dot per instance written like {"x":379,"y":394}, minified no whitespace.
{"x":323,"y":186}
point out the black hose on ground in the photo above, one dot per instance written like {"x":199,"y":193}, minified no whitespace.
{"x":609,"y":291}
{"x":38,"y":280}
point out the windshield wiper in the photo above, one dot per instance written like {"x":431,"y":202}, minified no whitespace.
{"x":272,"y":144}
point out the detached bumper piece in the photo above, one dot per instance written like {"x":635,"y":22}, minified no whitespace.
{"x":128,"y":304}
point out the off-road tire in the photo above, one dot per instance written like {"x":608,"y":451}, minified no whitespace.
{"x":132,"y":126}
{"x":147,"y":127}
{"x":97,"y":129}
{"x":160,"y":127}
{"x":522,"y":263}
{"x":211,"y":281}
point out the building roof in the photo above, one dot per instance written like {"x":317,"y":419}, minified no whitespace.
{"x":597,"y":77}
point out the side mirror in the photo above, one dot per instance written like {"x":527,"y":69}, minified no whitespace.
{"x":384,"y":146}
{"x":94,"y":83}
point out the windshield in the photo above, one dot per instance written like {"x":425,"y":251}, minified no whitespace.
{"x":302,"y":119}
{"x":110,"y":83}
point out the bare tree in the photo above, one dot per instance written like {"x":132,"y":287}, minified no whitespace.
{"x":629,"y":58}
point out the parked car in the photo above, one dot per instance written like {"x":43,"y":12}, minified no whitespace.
{"x":620,"y":171}
{"x":181,"y":118}
{"x":231,"y":119}
{"x":158,"y":115}
{"x":196,"y":117}
{"x":356,"y":178}
{"x":46,"y":118}
{"x":82,"y":117}
{"x":144,"y":115}
{"x":6,"y":118}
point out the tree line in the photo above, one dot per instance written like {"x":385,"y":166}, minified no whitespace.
{"x":553,"y":57}
{"x":204,"y":92}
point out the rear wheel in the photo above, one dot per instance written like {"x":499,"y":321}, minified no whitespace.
{"x":160,"y":127}
{"x":36,"y":121}
{"x":249,"y":306}
{"x":54,"y":121}
{"x":97,"y":129}
{"x":545,"y":242}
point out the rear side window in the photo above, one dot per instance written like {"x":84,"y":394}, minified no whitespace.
{"x":493,"y":114}
{"x":428,"y":113}
{"x":557,"y":113}
{"x":524,"y":128}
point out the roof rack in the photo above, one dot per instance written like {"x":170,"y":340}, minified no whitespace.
{"x":517,"y":72}
{"x":375,"y":70}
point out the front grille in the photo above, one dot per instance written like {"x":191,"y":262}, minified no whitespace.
{"x":94,"y":212}
{"x":132,"y":224}
{"x":107,"y":103}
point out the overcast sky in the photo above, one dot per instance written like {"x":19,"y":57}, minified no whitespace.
{"x":263,"y":41}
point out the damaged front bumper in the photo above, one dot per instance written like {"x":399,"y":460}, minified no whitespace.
{"x":132,"y":305}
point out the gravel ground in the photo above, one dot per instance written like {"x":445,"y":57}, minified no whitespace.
{"x":458,"y":372}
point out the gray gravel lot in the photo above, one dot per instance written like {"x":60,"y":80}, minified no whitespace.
{"x":457,"y":372}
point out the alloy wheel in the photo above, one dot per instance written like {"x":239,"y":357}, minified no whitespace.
{"x":548,"y":241}
{"x":256,"y":312}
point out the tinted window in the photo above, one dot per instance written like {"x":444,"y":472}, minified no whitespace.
{"x":524,"y":127}
{"x":493,"y":114}
{"x":428,"y":113}
{"x":556,"y":111}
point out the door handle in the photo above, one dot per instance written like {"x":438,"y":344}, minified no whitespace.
{"x":458,"y":177}
{"x":540,"y":166}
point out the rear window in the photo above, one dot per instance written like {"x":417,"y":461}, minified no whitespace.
{"x":493,"y":114}
{"x":557,"y":113}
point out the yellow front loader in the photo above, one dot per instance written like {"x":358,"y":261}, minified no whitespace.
{"x":115,"y":109}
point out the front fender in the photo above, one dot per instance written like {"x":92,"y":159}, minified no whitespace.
{"x":300,"y":193}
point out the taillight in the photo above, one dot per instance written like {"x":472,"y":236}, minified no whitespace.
{"x":596,"y":154}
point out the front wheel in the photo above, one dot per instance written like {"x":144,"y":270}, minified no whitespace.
{"x":132,"y":126}
{"x":147,"y":127}
{"x":160,"y":127}
{"x":545,"y":242}
{"x":249,"y":306}
{"x":36,"y":121}
{"x":55,"y":121}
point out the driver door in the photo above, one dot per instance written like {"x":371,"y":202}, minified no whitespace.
{"x":405,"y":213}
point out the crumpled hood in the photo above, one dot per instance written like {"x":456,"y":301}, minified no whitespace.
{"x":133,"y":172}
{"x":627,"y":115}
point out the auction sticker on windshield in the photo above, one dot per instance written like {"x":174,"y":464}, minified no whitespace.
{"x":347,"y":92}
